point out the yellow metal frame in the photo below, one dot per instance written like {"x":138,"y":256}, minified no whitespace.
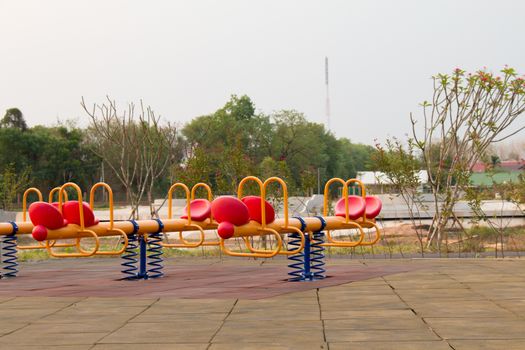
{"x":347,"y":224}
{"x":55,"y":190}
{"x":210,"y":198}
{"x":365,"y":222}
{"x":40,"y":245}
{"x":263,"y":229}
{"x":80,"y":251}
{"x":111,"y":228}
{"x":189,"y":225}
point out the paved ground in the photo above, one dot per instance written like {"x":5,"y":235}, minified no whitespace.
{"x":443,"y":304}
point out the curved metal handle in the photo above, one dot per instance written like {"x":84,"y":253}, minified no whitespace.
{"x":344,"y":244}
{"x":210,"y":196}
{"x":125,"y":242}
{"x":81,"y":252}
{"x":110,"y":200}
{"x":201,"y":184}
{"x":361,"y":187}
{"x":188,"y":200}
{"x":270,"y":254}
{"x":281,"y":252}
{"x":186,"y":244}
{"x":262,"y":191}
{"x":52,"y":193}
{"x":371,"y":224}
{"x":285,"y":195}
{"x":80,"y":202}
{"x":326,"y":195}
{"x":39,"y":245}
{"x":24,"y":200}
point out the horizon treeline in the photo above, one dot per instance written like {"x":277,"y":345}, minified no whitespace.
{"x":218,"y":149}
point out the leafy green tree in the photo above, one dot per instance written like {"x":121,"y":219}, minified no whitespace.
{"x":468,"y":113}
{"x":12,"y":184}
{"x":13,"y":118}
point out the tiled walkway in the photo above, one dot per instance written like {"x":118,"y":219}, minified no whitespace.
{"x":436,"y":304}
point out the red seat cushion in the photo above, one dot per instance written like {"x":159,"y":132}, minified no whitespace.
{"x":254,"y":207}
{"x":200,"y":210}
{"x":356,"y":207}
{"x":373,"y":206}
{"x":72,"y":214}
{"x":230,"y":209}
{"x":45,"y":214}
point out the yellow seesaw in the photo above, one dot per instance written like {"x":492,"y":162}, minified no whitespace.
{"x":232,"y":217}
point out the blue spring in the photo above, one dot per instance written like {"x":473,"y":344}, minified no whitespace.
{"x":155,"y":261}
{"x":317,"y":256}
{"x":129,"y":258}
{"x":308,"y":265}
{"x":9,"y":256}
{"x":297,"y":260}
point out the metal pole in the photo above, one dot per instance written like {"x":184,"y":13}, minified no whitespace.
{"x":318,"y":180}
{"x":142,"y":261}
{"x":306,"y":266}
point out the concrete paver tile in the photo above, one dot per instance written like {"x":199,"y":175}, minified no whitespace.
{"x":115,"y":302}
{"x":195,"y":305}
{"x":347,"y":335}
{"x":371,"y":323}
{"x":15,"y":315}
{"x":487,"y":344}
{"x":50,"y":347}
{"x":269,"y":334}
{"x":346,"y":314}
{"x":269,"y":346}
{"x":274,"y":314}
{"x":167,"y":317}
{"x":84,"y":327}
{"x":8,"y":327}
{"x":22,"y":337}
{"x":458,"y":308}
{"x":391,"y":345}
{"x":36,"y":302}
{"x":438,"y":294}
{"x":145,"y":333}
{"x":478,"y":328}
{"x":154,"y":346}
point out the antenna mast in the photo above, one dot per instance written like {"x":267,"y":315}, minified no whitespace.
{"x":327,"y":93}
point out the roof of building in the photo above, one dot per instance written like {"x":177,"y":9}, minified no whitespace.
{"x":380,"y":178}
{"x":487,"y":179}
{"x":506,"y":165}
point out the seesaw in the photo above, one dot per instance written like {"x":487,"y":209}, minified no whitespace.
{"x":232,"y":217}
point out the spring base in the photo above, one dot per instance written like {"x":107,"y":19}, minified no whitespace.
{"x":309,"y":264}
{"x":142,"y":259}
{"x":9,"y":253}
{"x":129,"y":258}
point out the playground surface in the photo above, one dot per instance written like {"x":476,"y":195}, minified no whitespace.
{"x":207,"y":303}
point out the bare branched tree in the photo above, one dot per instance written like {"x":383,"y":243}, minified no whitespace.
{"x":468,"y":113}
{"x":135,"y":145}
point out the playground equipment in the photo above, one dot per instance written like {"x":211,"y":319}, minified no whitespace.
{"x":243,"y":217}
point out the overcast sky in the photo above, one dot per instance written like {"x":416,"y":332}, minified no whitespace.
{"x":185,"y":58}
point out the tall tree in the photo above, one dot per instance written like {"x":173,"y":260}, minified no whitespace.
{"x":135,"y":145}
{"x":468,"y":113}
{"x":13,"y":118}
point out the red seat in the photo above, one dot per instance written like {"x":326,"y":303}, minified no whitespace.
{"x":356,"y":207}
{"x":254,"y":207}
{"x":45,"y":214}
{"x":230,"y":209}
{"x":373,"y":206}
{"x":72,"y":214}
{"x":200,"y":210}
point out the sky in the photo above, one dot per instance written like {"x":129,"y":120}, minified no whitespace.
{"x":185,"y":58}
